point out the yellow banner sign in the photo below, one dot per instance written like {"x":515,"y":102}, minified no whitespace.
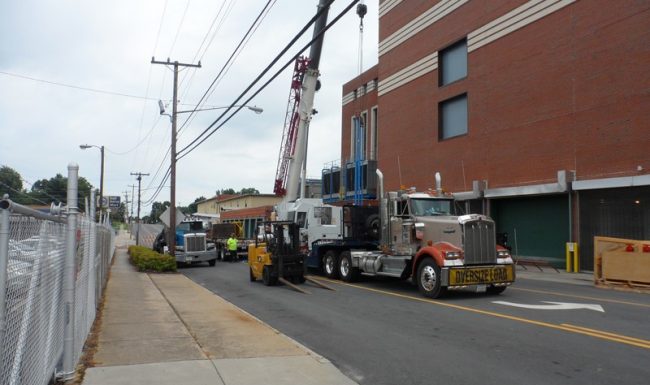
{"x":481,"y":275}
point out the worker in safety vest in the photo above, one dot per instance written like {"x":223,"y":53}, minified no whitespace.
{"x":232,"y":247}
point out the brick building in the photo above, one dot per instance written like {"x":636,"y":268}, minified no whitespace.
{"x":535,"y":112}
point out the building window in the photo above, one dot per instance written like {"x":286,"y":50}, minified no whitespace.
{"x":453,"y":63}
{"x":373,"y":133}
{"x":358,"y":136}
{"x":452,"y":115}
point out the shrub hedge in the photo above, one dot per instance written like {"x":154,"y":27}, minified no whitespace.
{"x":145,"y":259}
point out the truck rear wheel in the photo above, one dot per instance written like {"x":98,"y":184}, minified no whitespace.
{"x":428,"y":279}
{"x":331,"y":264}
{"x":347,"y":271}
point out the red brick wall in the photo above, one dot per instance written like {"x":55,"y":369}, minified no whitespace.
{"x":570,"y":91}
{"x":356,"y":107}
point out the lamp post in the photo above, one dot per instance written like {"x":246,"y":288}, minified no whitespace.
{"x":172,"y":117}
{"x":101,"y":177}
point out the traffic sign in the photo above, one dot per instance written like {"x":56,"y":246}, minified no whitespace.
{"x":114,"y":202}
{"x":164,"y":217}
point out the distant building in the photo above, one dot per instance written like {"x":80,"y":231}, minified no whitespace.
{"x":213,"y":207}
{"x":535,"y":112}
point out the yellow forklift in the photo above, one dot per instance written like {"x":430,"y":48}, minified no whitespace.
{"x":275,"y":256}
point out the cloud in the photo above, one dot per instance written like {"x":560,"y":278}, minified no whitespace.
{"x":108,"y":46}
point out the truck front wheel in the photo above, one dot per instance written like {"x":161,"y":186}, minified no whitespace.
{"x":330,"y":264}
{"x":268,"y":277}
{"x":428,"y":279}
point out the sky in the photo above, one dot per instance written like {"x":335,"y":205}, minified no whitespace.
{"x":80,"y":72}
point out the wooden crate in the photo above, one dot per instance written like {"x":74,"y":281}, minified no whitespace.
{"x":615,"y":263}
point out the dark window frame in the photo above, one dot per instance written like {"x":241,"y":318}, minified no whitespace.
{"x":441,"y":67}
{"x":440,"y":120}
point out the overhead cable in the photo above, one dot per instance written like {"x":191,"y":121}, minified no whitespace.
{"x":198,"y":141}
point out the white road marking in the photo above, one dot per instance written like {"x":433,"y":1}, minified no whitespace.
{"x":554,"y":306}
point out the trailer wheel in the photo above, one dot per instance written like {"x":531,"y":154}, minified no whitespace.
{"x":268,"y":278}
{"x":428,"y":279}
{"x":330,"y":264}
{"x":251,"y":276}
{"x":347,"y":271}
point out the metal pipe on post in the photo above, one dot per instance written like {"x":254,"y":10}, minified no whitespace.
{"x":69,"y":274}
{"x":101,"y":184}
{"x":4,"y":258}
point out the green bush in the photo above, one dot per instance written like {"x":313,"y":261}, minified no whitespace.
{"x":146,"y":259}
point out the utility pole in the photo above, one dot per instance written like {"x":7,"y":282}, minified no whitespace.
{"x":126,"y":205}
{"x":132,"y":196}
{"x":172,"y":200}
{"x":139,"y":178}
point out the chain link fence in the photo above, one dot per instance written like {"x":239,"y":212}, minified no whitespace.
{"x":52,"y":278}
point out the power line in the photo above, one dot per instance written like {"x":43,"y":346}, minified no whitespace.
{"x":225,"y":66}
{"x":267,"y":69}
{"x":75,"y":87}
{"x":196,"y":142}
{"x":94,"y":90}
{"x":178,"y":30}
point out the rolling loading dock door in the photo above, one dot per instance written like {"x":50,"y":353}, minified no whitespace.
{"x":542,"y":225}
{"x":614,"y":212}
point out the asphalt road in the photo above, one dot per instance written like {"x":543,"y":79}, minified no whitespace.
{"x":383,"y":332}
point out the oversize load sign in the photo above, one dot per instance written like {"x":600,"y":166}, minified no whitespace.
{"x":481,"y":275}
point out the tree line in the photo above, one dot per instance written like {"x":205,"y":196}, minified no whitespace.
{"x":43,"y":192}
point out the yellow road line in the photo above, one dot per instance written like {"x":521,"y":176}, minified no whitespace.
{"x":580,"y":296}
{"x":573,"y":329}
{"x":632,"y":339}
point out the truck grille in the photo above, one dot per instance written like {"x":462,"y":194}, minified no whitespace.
{"x":480,"y":242}
{"x":194,"y":242}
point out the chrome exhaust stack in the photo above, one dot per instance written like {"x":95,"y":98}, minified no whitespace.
{"x":383,"y":209}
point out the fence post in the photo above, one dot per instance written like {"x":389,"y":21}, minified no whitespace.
{"x":4,"y":258}
{"x":69,"y":274}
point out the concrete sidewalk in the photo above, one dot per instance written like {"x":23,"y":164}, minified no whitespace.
{"x":165,"y":329}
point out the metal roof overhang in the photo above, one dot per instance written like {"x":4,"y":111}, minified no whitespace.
{"x":625,"y":181}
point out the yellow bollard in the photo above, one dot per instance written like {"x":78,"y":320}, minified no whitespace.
{"x":572,"y":263}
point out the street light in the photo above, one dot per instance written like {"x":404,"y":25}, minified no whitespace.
{"x":172,"y":117}
{"x":255,"y":109}
{"x":101,"y":177}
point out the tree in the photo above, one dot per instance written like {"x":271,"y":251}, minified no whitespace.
{"x":157,"y":208}
{"x":119,"y":214}
{"x":11,"y":183}
{"x":192,"y":208}
{"x":249,"y":190}
{"x":56,"y":189}
{"x":226,"y":191}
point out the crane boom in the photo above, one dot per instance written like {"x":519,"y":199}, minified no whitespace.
{"x":291,"y":121}
{"x":305,"y":106}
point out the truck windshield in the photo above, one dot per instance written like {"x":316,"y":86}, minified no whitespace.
{"x":431,"y":207}
{"x":190,"y":226}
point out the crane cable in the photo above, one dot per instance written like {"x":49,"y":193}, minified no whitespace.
{"x":362,"y":9}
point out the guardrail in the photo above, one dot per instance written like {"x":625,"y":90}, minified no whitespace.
{"x":53,"y":269}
